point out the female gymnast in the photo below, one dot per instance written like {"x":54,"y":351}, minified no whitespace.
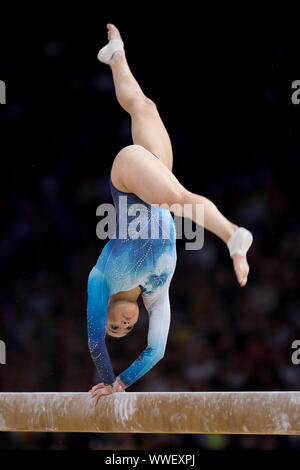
{"x":129,"y":267}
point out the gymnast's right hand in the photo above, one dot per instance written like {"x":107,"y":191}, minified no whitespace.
{"x":100,"y":390}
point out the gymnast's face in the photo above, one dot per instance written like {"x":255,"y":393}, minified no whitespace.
{"x":122,"y":315}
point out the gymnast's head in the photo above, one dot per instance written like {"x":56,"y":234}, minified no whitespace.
{"x":122,"y":315}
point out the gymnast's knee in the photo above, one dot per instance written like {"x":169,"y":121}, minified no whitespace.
{"x":141,"y":104}
{"x":176,"y":194}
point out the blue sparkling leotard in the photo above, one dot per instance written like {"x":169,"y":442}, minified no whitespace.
{"x":126,"y":262}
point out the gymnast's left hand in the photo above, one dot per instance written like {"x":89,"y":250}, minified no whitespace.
{"x":100,"y":390}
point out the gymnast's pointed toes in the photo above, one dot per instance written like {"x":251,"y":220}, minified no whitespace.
{"x":113,"y":32}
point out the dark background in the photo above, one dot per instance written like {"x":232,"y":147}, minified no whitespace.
{"x":222,"y":83}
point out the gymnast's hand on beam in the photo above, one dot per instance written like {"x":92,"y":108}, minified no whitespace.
{"x":101,"y":390}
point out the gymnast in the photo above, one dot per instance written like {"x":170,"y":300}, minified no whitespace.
{"x":129,"y":267}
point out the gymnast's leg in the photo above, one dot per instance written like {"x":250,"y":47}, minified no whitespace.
{"x":135,"y":170}
{"x":147,"y":127}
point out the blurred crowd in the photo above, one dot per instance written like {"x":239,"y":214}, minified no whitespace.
{"x":222,"y":337}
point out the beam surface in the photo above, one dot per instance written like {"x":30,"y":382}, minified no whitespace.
{"x":158,"y":412}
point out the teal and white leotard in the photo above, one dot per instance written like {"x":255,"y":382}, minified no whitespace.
{"x":125,"y":263}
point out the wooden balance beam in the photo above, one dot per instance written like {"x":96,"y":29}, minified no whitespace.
{"x":155,"y":412}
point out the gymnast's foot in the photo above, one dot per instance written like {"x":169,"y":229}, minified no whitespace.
{"x":241,"y":268}
{"x":238,"y":245}
{"x":113,"y":32}
{"x":115,"y":47}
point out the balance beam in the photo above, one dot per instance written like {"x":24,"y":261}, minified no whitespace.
{"x":159,"y":412}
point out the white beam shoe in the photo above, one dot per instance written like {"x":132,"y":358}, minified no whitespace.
{"x":240,"y":242}
{"x":105,"y":54}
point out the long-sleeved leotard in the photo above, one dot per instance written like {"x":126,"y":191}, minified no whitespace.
{"x":126,"y":262}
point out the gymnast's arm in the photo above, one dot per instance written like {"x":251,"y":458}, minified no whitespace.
{"x":98,"y":296}
{"x":159,"y":323}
